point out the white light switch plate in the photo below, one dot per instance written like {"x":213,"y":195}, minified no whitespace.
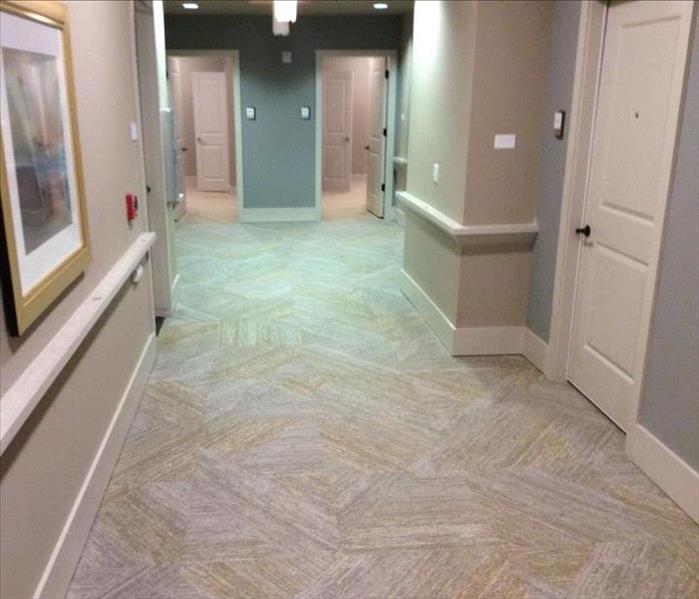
{"x":505,"y":141}
{"x":286,"y":57}
{"x":133,"y":131}
{"x":250,"y":113}
{"x":435,"y":173}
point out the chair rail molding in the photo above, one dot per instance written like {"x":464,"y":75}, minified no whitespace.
{"x":470,"y":235}
{"x":26,"y":392}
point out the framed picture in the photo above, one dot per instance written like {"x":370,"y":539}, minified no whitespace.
{"x":43,"y":202}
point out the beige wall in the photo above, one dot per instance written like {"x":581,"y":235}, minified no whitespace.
{"x":440,"y":102}
{"x":509,"y":83}
{"x":42,"y":470}
{"x":478,"y":69}
{"x":188,"y":65}
{"x":359,"y":67}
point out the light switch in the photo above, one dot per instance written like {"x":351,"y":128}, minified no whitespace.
{"x":306,"y":113}
{"x":435,"y":173}
{"x":559,"y":120}
{"x":133,"y":131}
{"x":286,"y":57}
{"x":250,"y":113}
{"x":505,"y":141}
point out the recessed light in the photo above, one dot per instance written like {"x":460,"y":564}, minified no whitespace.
{"x":380,"y":6}
{"x":190,"y":5}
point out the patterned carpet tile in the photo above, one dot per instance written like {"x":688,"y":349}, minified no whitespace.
{"x":305,"y":435}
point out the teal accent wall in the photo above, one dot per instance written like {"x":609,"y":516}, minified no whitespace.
{"x":278,"y":147}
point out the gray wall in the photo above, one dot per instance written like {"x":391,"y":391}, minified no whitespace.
{"x":670,"y":402}
{"x":561,"y":73}
{"x":278,"y":147}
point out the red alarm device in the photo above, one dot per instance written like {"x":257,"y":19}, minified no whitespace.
{"x":131,"y":206}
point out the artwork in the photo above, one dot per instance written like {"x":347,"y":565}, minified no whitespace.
{"x":43,"y":211}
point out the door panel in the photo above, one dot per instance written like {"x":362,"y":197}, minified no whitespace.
{"x":337,"y":130}
{"x":634,"y":134}
{"x":376,"y":155}
{"x":211,"y":131}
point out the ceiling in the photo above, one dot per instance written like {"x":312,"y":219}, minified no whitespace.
{"x":305,"y":7}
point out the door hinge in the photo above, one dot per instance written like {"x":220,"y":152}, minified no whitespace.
{"x":386,"y":73}
{"x":384,"y":132}
{"x":383,"y":187}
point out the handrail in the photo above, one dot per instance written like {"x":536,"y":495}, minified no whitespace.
{"x":466,"y":235}
{"x":20,"y":400}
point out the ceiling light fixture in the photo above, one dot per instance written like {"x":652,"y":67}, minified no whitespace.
{"x":285,"y":11}
{"x":190,"y":5}
{"x":380,"y":6}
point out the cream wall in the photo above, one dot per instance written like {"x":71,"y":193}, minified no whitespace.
{"x":359,"y":67}
{"x":44,"y":467}
{"x":478,"y":69}
{"x":444,"y":38}
{"x":509,"y":84}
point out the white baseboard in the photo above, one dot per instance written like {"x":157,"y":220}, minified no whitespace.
{"x":66,"y":553}
{"x":669,"y":471}
{"x":278,"y":215}
{"x":536,"y":350}
{"x":467,"y":341}
{"x":399,"y":216}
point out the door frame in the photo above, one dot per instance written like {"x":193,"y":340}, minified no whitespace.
{"x":588,"y":70}
{"x":237,"y":141}
{"x":392,"y":66}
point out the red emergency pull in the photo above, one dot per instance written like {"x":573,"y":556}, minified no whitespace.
{"x":131,"y":206}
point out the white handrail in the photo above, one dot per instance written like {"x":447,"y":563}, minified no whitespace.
{"x":26,"y":392}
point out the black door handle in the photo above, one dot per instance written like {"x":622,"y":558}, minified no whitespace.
{"x":584,"y":230}
{"x":366,"y":147}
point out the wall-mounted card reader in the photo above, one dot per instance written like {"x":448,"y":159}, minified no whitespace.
{"x":559,"y":120}
{"x":250,"y":113}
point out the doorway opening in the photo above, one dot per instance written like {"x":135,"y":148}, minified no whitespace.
{"x":355,"y":99}
{"x":204,"y":92}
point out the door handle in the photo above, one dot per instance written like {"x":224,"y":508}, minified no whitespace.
{"x":366,"y":147}
{"x":183,"y":149}
{"x":584,"y":230}
{"x":347,"y":138}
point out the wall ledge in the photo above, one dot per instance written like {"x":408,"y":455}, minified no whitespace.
{"x":26,"y":392}
{"x":470,"y":235}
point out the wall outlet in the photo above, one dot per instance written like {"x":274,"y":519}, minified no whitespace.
{"x":435,"y":173}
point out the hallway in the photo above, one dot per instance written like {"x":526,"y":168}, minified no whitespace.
{"x":304,"y":434}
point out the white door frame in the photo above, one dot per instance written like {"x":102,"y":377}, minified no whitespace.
{"x":392,"y":66}
{"x":588,"y":68}
{"x":237,"y":145}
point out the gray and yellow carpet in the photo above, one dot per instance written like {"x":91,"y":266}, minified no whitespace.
{"x":305,"y":435}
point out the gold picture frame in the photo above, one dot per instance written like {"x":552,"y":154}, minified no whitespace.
{"x":44,"y":217}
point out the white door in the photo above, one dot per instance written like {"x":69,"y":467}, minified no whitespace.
{"x":337,"y":130}
{"x":642,"y":71}
{"x":175,"y":82}
{"x":376,"y":151}
{"x":211,"y":131}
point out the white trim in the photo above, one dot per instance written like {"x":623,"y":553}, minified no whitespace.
{"x":586,"y":80}
{"x":518,"y":233}
{"x":434,"y":317}
{"x":237,"y":113}
{"x":465,"y":341}
{"x":58,"y":572}
{"x":175,"y":297}
{"x":399,"y":216}
{"x":392,"y":66}
{"x":669,"y":471}
{"x":278,"y":215}
{"x":26,"y":392}
{"x":536,"y":350}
